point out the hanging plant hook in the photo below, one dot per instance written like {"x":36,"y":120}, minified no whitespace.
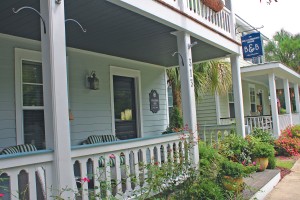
{"x":27,"y":7}
{"x":73,"y":20}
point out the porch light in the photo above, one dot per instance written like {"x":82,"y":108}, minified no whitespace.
{"x":93,"y":81}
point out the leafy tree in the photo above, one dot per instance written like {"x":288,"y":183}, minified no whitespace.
{"x":285,"y":48}
{"x":209,"y":76}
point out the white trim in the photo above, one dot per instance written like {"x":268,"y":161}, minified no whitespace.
{"x":255,"y":82}
{"x":167,"y":98}
{"x":250,"y":85}
{"x":218,"y":111}
{"x":20,"y":55}
{"x":136,"y":74}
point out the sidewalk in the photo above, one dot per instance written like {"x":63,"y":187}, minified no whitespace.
{"x":289,"y":187}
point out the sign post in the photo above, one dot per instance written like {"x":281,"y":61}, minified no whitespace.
{"x":252,"y":45}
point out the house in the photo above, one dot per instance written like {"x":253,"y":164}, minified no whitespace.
{"x":270,"y":98}
{"x":71,"y":70}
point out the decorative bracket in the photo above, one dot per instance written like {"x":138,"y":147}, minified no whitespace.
{"x":30,"y":8}
{"x":253,"y":28}
{"x":73,"y":20}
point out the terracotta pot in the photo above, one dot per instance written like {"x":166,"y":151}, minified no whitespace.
{"x":263,"y":163}
{"x":233,"y":184}
{"x":215,"y":5}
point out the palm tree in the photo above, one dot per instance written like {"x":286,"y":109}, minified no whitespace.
{"x":211,"y":76}
{"x":285,"y":48}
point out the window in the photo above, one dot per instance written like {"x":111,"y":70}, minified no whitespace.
{"x":231,"y":104}
{"x":29,"y":99}
{"x":252,"y":99}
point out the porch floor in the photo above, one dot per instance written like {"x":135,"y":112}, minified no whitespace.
{"x":261,"y":183}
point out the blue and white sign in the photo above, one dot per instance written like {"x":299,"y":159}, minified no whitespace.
{"x":252,"y":45}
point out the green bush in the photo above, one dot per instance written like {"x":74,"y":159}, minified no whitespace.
{"x":236,"y":170}
{"x":176,"y":120}
{"x":272,"y":162}
{"x":264,"y":136}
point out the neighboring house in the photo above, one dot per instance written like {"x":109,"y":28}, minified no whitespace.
{"x":110,"y":79}
{"x":270,"y":99}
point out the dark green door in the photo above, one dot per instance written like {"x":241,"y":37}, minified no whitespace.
{"x":125,"y":107}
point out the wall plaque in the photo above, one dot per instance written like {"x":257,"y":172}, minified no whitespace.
{"x":154,"y":101}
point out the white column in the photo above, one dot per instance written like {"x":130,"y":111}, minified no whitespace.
{"x":274,"y":108}
{"x":232,"y":20}
{"x":55,"y":91}
{"x":287,"y":99}
{"x":297,"y":101}
{"x":238,"y":95}
{"x":187,"y":90}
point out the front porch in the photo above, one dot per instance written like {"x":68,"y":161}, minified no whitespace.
{"x":47,"y":99}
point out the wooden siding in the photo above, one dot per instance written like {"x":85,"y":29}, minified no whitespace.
{"x":91,"y":108}
{"x":206,"y":110}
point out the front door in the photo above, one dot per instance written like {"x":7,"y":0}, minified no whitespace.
{"x":125,"y":107}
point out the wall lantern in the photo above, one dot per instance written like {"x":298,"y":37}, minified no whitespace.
{"x":93,"y":81}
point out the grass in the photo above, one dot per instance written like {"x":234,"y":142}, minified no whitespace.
{"x":285,"y":163}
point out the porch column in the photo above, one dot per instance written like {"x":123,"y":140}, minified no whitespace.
{"x":238,"y":95}
{"x":274,"y":108}
{"x":287,"y":99}
{"x":55,"y":94}
{"x":187,"y":90}
{"x":297,"y":101}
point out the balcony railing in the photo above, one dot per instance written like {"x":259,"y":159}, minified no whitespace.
{"x":284,"y":121}
{"x":220,"y":21}
{"x":30,"y":174}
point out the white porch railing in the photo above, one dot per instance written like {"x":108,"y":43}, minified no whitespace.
{"x":29,"y":175}
{"x":261,"y":122}
{"x":197,"y":10}
{"x":26,"y":175}
{"x":153,"y":150}
{"x":296,"y":118}
{"x":284,"y":121}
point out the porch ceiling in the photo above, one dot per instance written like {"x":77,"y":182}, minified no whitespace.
{"x":111,"y":30}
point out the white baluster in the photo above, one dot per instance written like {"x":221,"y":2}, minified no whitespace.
{"x":49,"y":181}
{"x":158,"y":155}
{"x":118,"y":175}
{"x":144,"y":153}
{"x":84,"y":185}
{"x":32,"y":183}
{"x":107,"y":169}
{"x":137,"y":170}
{"x":97,"y":178}
{"x":13,"y":180}
{"x":128,"y":174}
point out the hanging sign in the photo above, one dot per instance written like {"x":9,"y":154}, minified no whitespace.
{"x":154,"y":101}
{"x":252,"y":45}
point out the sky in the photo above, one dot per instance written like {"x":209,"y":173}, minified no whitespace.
{"x":282,"y":14}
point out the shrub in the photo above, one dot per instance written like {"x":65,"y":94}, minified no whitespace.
{"x":264,"y":136}
{"x":272,"y":162}
{"x":262,"y":150}
{"x":176,"y":120}
{"x":234,"y":147}
{"x":287,"y":146}
{"x":236,"y":170}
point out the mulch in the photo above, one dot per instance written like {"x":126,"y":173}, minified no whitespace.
{"x":283,"y":171}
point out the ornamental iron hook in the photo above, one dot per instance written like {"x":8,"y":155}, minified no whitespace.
{"x":30,"y":8}
{"x":252,"y":29}
{"x":180,"y":57}
{"x":73,"y":20}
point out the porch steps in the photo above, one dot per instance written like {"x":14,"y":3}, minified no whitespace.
{"x":260,"y":184}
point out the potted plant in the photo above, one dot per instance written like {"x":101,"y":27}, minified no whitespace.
{"x":261,"y":152}
{"x":215,"y":5}
{"x":233,"y":174}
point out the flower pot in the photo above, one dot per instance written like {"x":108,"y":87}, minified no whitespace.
{"x":215,"y":5}
{"x":233,"y":184}
{"x":263,"y":163}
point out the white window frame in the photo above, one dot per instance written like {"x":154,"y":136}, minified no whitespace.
{"x":136,"y":74}
{"x":253,"y":87}
{"x":20,"y":56}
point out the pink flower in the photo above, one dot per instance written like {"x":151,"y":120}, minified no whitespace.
{"x":244,"y":162}
{"x":1,"y":195}
{"x":112,"y":156}
{"x":254,"y":163}
{"x":182,"y":137}
{"x":186,"y":127}
{"x":85,"y":179}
